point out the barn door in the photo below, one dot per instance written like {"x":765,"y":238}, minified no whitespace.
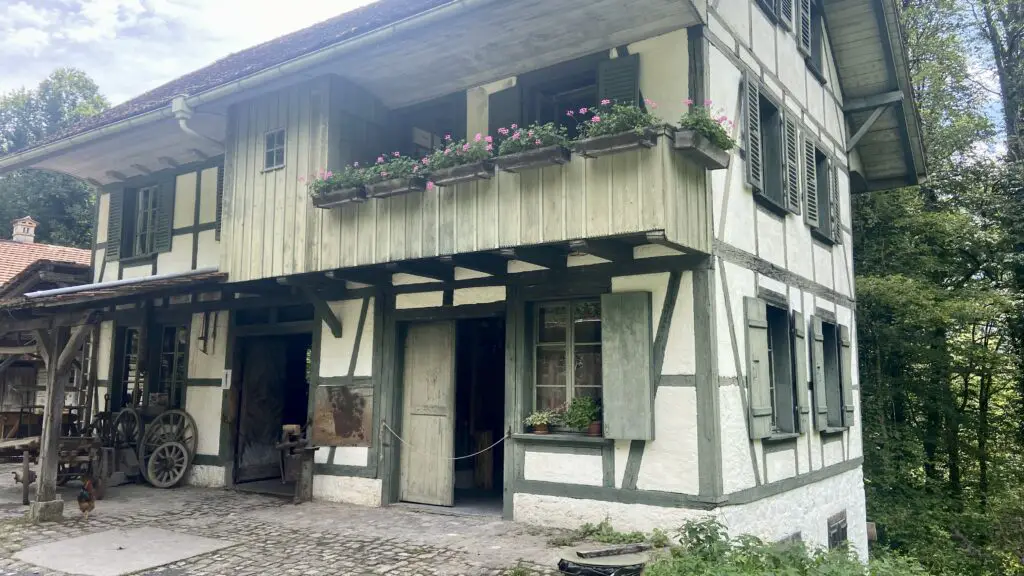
{"x":428,"y":414}
{"x":264,"y":364}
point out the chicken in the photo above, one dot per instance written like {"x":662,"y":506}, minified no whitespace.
{"x":87,"y":498}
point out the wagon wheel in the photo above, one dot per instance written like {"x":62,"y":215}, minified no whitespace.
{"x":170,"y":426}
{"x":126,"y":430}
{"x":167,"y":464}
{"x":63,"y":474}
{"x":102,"y":428}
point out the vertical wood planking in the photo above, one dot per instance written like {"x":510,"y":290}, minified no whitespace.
{"x":318,"y":118}
{"x":429,"y":221}
{"x":349,"y":222}
{"x":446,"y":220}
{"x":285,"y":185}
{"x":625,"y":213}
{"x":255,"y":259}
{"x":652,"y":191}
{"x":229,"y":200}
{"x":295,"y":190}
{"x":269,"y":200}
{"x":398,"y":239}
{"x":466,"y":217}
{"x":382,"y":230}
{"x":530,"y":196}
{"x":552,"y":195}
{"x":508,"y":185}
{"x":598,"y":197}
{"x":365,"y":235}
{"x":252,"y":175}
{"x":302,"y":203}
{"x":414,"y":225}
{"x":487,"y":212}
{"x":575,"y":184}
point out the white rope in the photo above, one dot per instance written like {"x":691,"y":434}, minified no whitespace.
{"x":402,"y":440}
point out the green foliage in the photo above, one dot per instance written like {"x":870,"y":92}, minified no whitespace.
{"x":460,"y":152}
{"x":613,"y":118}
{"x":604,"y":533}
{"x":327,"y":181}
{"x":516,"y":139}
{"x":581,"y":412}
{"x":714,"y":126}
{"x":543,"y":417}
{"x":391,"y":167}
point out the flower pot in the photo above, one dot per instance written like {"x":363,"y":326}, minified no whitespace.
{"x":695,"y":147}
{"x":339,"y":196}
{"x":537,"y":158}
{"x":594,"y":429}
{"x":615,"y":143}
{"x":540,"y":428}
{"x":465,"y":173}
{"x":396,"y":186}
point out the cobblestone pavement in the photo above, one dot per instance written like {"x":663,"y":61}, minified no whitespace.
{"x":271,"y":536}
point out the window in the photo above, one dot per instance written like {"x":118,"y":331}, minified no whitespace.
{"x":131,"y":377}
{"x":780,"y":364}
{"x":274,"y":149}
{"x":168,"y":388}
{"x":811,"y":36}
{"x":776,"y":377}
{"x":832,"y":374}
{"x":567,"y":354}
{"x":145,"y":221}
{"x":766,"y":140}
{"x":139,"y":221}
{"x":837,"y":531}
{"x":821,"y":183}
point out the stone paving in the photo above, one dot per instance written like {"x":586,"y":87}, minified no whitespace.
{"x":274,"y":537}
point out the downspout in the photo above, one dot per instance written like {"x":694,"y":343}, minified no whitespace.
{"x":183,"y":113}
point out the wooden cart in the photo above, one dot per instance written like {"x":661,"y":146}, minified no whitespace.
{"x":77,"y":457}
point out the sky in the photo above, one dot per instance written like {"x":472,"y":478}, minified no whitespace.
{"x":131,"y":46}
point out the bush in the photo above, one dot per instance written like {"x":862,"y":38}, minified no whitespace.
{"x":710,"y":125}
{"x":459,"y":152}
{"x":391,"y":167}
{"x":327,"y":181}
{"x":516,"y":139}
{"x":610,"y":118}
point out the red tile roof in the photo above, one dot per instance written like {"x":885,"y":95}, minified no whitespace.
{"x":16,"y":256}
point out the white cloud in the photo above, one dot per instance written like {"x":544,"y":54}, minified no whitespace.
{"x":131,"y":46}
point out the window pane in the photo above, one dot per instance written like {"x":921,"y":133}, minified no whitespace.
{"x":280,"y":138}
{"x":279,"y":157}
{"x":553,"y":321}
{"x":270,"y":140}
{"x":269,"y":160}
{"x":591,"y":391}
{"x":586,"y":321}
{"x":550,"y":398}
{"x":551,"y":367}
{"x":587,"y":370}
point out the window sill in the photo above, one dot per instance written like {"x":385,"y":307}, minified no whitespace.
{"x":815,"y":72}
{"x":572,"y":439}
{"x":820,"y":236}
{"x":272,"y":169}
{"x":833,"y":431}
{"x":141,"y":259}
{"x":781,"y":437}
{"x":769,"y":204}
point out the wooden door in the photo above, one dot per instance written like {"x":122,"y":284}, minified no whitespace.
{"x":264,"y":381}
{"x":428,"y":414}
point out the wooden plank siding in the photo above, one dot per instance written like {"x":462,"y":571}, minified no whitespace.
{"x":281,"y":232}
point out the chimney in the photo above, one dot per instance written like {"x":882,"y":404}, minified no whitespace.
{"x":24,"y":230}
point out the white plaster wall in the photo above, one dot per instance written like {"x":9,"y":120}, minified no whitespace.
{"x":208,"y":255}
{"x":351,"y":456}
{"x":740,"y":283}
{"x":771,"y":238}
{"x":621,"y":457}
{"x":130,"y":271}
{"x":780,"y":465}
{"x":185,"y":200}
{"x":206,"y":476}
{"x":104,"y":214}
{"x":822,"y":265}
{"x":670,"y":460}
{"x":737,"y":470}
{"x":478,"y":295}
{"x":805,"y":510}
{"x":730,"y":17}
{"x":179,"y":259}
{"x":574,"y":260}
{"x":336,"y":353}
{"x":104,"y":346}
{"x":833,"y":449}
{"x":762,"y":40}
{"x":680,"y":350}
{"x":348,"y":489}
{"x":204,"y":404}
{"x":477,"y":101}
{"x":208,"y":196}
{"x":419,"y":300}
{"x":772,"y":284}
{"x":209,"y":364}
{"x":563,"y":468}
{"x":664,"y":72}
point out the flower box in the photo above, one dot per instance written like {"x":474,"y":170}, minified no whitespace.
{"x":465,"y":173}
{"x":615,"y":143}
{"x":339,"y":197}
{"x":537,"y":158}
{"x":396,"y":186}
{"x":697,"y":148}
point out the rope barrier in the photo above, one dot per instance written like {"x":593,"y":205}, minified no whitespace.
{"x":402,"y":440}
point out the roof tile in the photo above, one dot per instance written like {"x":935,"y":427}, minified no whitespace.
{"x":16,"y":256}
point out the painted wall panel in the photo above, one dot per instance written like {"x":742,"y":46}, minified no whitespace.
{"x":833,"y":449}
{"x":336,"y":353}
{"x":208,"y":255}
{"x":103,"y":199}
{"x":735,"y":14}
{"x":823,"y":265}
{"x":771,"y":237}
{"x":104,"y":346}
{"x":208,"y":196}
{"x":565,"y":468}
{"x":479,"y":295}
{"x":737,"y":469}
{"x":208,"y":363}
{"x":185,"y":199}
{"x":670,"y":460}
{"x":664,"y":72}
{"x":762,"y":33}
{"x":140,"y":271}
{"x":780,"y":465}
{"x":351,"y":456}
{"x":179,"y":259}
{"x":204,"y":404}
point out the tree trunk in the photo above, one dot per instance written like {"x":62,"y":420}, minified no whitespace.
{"x":984,"y":395}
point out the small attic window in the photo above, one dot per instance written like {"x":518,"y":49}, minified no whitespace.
{"x":274,"y":150}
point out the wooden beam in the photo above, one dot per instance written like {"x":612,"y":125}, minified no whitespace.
{"x":44,"y":344}
{"x":865,"y":127}
{"x":434,"y":270}
{"x":328,"y":288}
{"x":79,"y":335}
{"x":869,"y":102}
{"x":370,"y":276}
{"x":17,"y":350}
{"x":7,"y":364}
{"x":46,"y":487}
{"x":115,"y":175}
{"x":611,"y":250}
{"x":546,"y":256}
{"x":73,"y":279}
{"x":144,"y":170}
{"x":486,"y":263}
{"x":323,"y":310}
{"x":168,"y":161}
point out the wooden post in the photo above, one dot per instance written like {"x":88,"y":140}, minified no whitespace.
{"x":26,"y":460}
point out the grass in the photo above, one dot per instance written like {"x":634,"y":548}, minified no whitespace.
{"x":606,"y":534}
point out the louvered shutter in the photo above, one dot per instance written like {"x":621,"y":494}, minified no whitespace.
{"x":833,"y":204}
{"x":846,"y":376}
{"x":792,"y":168}
{"x":811,"y":183}
{"x":220,"y":198}
{"x":806,"y":31}
{"x":818,"y":374}
{"x":504,"y":109}
{"x":164,"y":217}
{"x":626,"y":380}
{"x":115,"y":212}
{"x":786,"y":13}
{"x":755,"y":168}
{"x":803,"y":403}
{"x":758,"y":370}
{"x":618,"y":80}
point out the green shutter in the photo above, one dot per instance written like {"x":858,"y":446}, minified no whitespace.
{"x":792,"y":168}
{"x":755,"y":168}
{"x":806,"y":32}
{"x":114,"y":217}
{"x":627,"y":382}
{"x":758,"y":370}
{"x":833,"y":202}
{"x":164,"y":217}
{"x":504,"y":109}
{"x":220,"y":197}
{"x":786,"y":14}
{"x":811,"y":183}
{"x":803,"y":406}
{"x":846,"y":374}
{"x":818,"y":374}
{"x":618,"y":80}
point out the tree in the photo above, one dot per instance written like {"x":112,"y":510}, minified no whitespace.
{"x":62,"y":204}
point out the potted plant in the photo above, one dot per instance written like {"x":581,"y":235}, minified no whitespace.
{"x":461,"y":161}
{"x":703,"y":137}
{"x":611,"y":128}
{"x":534,"y":146}
{"x":541,"y":420}
{"x":394,"y":175}
{"x":329,"y":189}
{"x":583,"y":413}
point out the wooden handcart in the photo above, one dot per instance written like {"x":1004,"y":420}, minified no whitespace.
{"x":77,"y":458}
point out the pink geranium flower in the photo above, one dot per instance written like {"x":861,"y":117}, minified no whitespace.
{"x":490,"y":147}
{"x":605,"y":102}
{"x":538,"y":142}
{"x":355,"y":164}
{"x":516,"y":136}
{"x":688,"y":102}
{"x":478,"y":137}
{"x":570,"y":113}
{"x":595,"y":119}
{"x":430,"y":185}
{"x":583,"y":110}
{"x":447,"y":136}
{"x":514,"y":126}
{"x":384,"y":174}
{"x":302,"y":179}
{"x":329,"y":174}
{"x":395,"y":154}
{"x":465,"y":147}
{"x":707,"y":102}
{"x":380,"y":159}
{"x":503,"y":131}
{"x":489,"y":139}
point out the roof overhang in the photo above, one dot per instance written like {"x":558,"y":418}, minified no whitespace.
{"x":871,"y":63}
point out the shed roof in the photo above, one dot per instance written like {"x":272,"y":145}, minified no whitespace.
{"x":15,"y":257}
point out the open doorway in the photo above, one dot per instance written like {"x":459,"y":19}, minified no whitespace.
{"x":479,"y":413}
{"x":274,"y":393}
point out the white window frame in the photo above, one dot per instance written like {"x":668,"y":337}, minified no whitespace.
{"x":274,"y":147}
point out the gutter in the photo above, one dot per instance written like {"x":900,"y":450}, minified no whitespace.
{"x":323,"y":55}
{"x":113,"y":283}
